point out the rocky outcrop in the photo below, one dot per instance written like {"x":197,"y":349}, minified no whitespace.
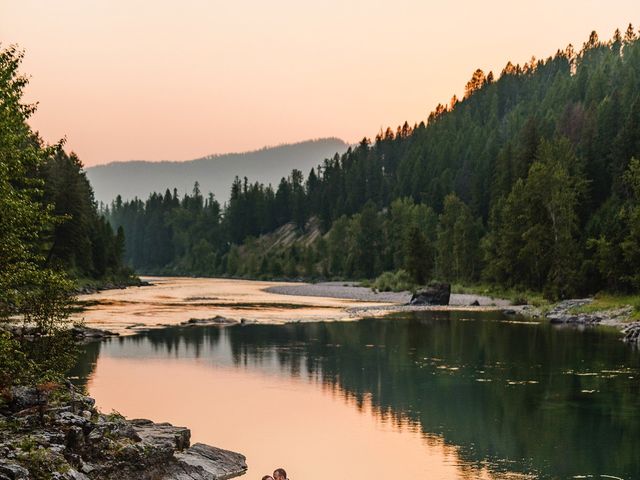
{"x":565,"y":312}
{"x":434,"y":294}
{"x":632,"y":333}
{"x":217,"y":321}
{"x":59,"y":434}
{"x":79,"y":332}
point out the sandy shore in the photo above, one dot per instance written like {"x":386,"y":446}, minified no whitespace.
{"x":175,"y":300}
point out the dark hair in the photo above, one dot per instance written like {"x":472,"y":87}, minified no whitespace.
{"x":279,"y":472}
{"x":267,"y":477}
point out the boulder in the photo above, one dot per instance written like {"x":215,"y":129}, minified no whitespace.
{"x":632,"y":333}
{"x":11,"y":471}
{"x":22,"y":398}
{"x":433,"y":294}
{"x":205,"y":462}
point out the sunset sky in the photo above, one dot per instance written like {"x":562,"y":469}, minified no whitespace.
{"x":177,"y":80}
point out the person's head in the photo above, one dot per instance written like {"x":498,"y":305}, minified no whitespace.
{"x":279,"y":474}
{"x":267,"y":477}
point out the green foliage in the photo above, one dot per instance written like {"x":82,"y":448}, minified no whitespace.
{"x":418,"y":255}
{"x":48,"y":227}
{"x":458,"y":242}
{"x":533,"y":242}
{"x":42,"y":463}
{"x":399,"y":281}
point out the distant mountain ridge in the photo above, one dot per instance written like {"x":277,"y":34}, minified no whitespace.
{"x":215,"y":173}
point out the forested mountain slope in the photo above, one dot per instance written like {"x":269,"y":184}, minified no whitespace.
{"x":214,"y":172}
{"x":529,"y":180}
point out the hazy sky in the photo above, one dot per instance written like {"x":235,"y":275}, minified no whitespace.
{"x":157,"y":79}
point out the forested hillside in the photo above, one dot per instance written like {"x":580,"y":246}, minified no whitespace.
{"x":530,"y":180}
{"x":214,"y":173}
{"x":46,"y":202}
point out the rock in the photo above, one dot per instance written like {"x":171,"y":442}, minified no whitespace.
{"x":12,"y":471}
{"x":75,"y":475}
{"x":217,"y":320}
{"x":207,"y":463}
{"x":509,"y":311}
{"x":72,"y":420}
{"x":81,"y":331}
{"x":475,"y":303}
{"x":162,"y":433}
{"x":632,"y":333}
{"x":434,"y":294}
{"x":75,"y":438}
{"x":88,"y":445}
{"x":22,"y":398}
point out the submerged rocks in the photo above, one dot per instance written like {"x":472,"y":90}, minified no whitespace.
{"x":217,"y":320}
{"x":632,"y":333}
{"x":80,"y":333}
{"x":66,"y":438}
{"x":84,"y":332}
{"x":433,"y":294}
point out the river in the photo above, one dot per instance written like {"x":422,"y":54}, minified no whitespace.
{"x":433,"y":395}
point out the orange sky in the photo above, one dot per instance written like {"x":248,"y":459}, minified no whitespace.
{"x":133,"y":79}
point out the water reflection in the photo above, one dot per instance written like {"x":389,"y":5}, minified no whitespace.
{"x":495,"y":398}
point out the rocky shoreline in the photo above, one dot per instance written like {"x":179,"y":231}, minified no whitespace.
{"x":57,"y":433}
{"x":133,"y":282}
{"x":568,"y":312}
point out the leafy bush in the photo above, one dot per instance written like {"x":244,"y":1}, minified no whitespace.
{"x":399,"y":281}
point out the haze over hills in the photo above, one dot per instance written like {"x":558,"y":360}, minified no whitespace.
{"x":215,"y":173}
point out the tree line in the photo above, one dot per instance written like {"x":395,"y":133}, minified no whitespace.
{"x":528,"y":181}
{"x":52,"y":238}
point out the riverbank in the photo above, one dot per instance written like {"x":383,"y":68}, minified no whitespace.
{"x":56,"y":432}
{"x":170,"y":301}
{"x":178,"y":300}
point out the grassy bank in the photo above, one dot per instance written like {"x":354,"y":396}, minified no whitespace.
{"x":603,"y":302}
{"x":515,"y":296}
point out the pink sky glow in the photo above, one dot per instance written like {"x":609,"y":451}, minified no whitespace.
{"x":154,"y":80}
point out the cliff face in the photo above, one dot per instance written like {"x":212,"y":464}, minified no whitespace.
{"x":59,"y":434}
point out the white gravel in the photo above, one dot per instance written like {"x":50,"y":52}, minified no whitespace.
{"x":349,"y":290}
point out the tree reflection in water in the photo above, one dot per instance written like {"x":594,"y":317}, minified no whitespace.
{"x":517,"y":396}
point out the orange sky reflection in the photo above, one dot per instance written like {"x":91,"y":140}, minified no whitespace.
{"x":277,"y":421}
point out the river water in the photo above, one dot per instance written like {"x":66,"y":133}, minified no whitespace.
{"x":428,"y":395}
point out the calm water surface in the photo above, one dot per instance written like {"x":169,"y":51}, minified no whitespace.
{"x":428,"y":395}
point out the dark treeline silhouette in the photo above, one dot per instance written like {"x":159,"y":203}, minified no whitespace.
{"x":531,"y":180}
{"x":47,"y":207}
{"x":82,"y":241}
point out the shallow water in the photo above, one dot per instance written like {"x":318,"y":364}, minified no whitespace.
{"x":449,"y":395}
{"x":173,"y":300}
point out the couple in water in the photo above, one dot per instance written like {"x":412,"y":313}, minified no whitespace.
{"x":278,"y":474}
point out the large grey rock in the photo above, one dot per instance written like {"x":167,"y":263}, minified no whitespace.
{"x":11,"y":471}
{"x":632,"y":333}
{"x":203,"y":462}
{"x":162,"y":433}
{"x":22,"y":398}
{"x":434,"y":294}
{"x":92,"y":446}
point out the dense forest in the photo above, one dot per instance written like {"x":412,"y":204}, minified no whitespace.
{"x":531,"y":180}
{"x":52,"y":241}
{"x":74,"y":237}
